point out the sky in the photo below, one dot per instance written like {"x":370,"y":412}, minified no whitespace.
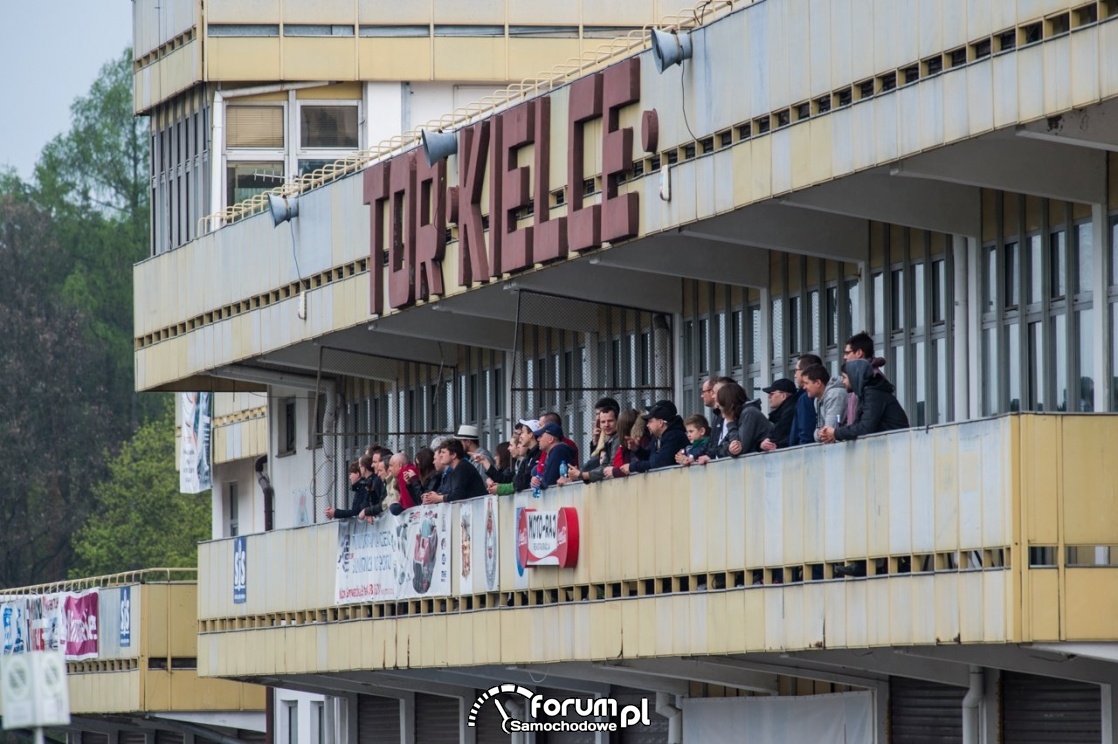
{"x":50,"y":52}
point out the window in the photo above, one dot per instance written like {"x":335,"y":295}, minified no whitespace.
{"x":286,"y":427}
{"x":232,"y":498}
{"x":318,"y":722}
{"x":254,"y":127}
{"x":328,"y":127}
{"x":245,"y":180}
{"x":291,"y":711}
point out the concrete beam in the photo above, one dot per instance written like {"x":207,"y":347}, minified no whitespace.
{"x":783,"y":227}
{"x":912,"y":202}
{"x":1022,"y":659}
{"x":605,"y":283}
{"x":1017,"y":164}
{"x":709,"y":670}
{"x":679,"y":255}
{"x":609,"y":673}
{"x":482,"y":678}
{"x":1095,"y":127}
{"x":448,"y":328}
{"x":874,"y":661}
{"x":791,"y":669}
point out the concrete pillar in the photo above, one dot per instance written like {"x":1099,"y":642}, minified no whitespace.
{"x":407,"y":718}
{"x":466,"y":734}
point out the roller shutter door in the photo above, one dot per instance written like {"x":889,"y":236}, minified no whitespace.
{"x":657,"y":733}
{"x":925,"y":712}
{"x":378,"y":720}
{"x":132,"y":737}
{"x":1043,"y":710}
{"x":89,"y":737}
{"x":251,"y":737}
{"x":563,"y":737}
{"x":487,"y":729}
{"x":168,"y":737}
{"x":436,"y":719}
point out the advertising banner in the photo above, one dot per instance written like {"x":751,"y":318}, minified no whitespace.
{"x":547,"y":538}
{"x":195,"y":473}
{"x":13,"y":611}
{"x":477,"y":546}
{"x":240,"y":570}
{"x":395,"y":557}
{"x":47,"y":621}
{"x":82,"y":610}
{"x":125,"y":616}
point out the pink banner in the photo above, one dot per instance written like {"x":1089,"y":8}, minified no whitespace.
{"x":81,"y":625}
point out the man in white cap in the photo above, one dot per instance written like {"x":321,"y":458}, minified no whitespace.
{"x":478,"y":455}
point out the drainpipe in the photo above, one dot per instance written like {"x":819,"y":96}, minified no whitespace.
{"x":217,"y":140}
{"x":665,"y":706}
{"x":973,"y":699}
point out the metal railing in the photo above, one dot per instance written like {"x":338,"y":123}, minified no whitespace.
{"x":559,"y":74}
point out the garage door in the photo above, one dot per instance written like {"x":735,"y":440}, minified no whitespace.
{"x":436,"y":719}
{"x":378,"y":720}
{"x":1043,"y":710}
{"x":925,"y":712}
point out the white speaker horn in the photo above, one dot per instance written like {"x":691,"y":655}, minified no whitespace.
{"x":670,"y":48}
{"x":283,"y":208}
{"x":438,"y":145}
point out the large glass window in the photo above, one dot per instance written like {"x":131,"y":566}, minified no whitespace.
{"x":329,"y":127}
{"x":1058,"y":261}
{"x":1085,"y":342}
{"x":247,"y":179}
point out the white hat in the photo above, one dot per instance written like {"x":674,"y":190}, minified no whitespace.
{"x":466,"y":431}
{"x":531,"y":424}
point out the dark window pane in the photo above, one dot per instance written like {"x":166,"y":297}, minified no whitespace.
{"x":939,"y":291}
{"x":1035,"y":269}
{"x":898,"y":300}
{"x":1013,"y":365}
{"x":332,"y":127}
{"x":878,"y":305}
{"x":1057,"y":254}
{"x":1010,"y":269}
{"x":1083,"y":323}
{"x":918,"y":295}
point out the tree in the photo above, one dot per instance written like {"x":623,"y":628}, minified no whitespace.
{"x":51,"y":402}
{"x":93,"y":181}
{"x":140,"y":520}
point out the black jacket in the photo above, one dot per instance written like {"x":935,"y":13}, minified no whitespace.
{"x":878,"y":410}
{"x":360,"y":498}
{"x":463,"y":482}
{"x":781,"y":419}
{"x":664,"y":448}
{"x":751,"y":428}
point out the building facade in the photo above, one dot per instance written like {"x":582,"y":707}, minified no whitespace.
{"x":939,"y":174}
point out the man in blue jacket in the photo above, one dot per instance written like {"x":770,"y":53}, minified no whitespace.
{"x":554,"y":451}
{"x":803,"y":424}
{"x":669,"y":437}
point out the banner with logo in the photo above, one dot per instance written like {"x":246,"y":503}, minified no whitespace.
{"x":547,"y":537}
{"x":195,"y":472}
{"x":477,"y":546}
{"x":13,"y":611}
{"x":240,"y":570}
{"x":47,"y":621}
{"x":395,"y":557}
{"x":82,"y":610}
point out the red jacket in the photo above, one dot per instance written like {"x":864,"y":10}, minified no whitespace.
{"x":405,"y":497}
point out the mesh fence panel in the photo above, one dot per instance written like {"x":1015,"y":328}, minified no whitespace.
{"x":572,"y":353}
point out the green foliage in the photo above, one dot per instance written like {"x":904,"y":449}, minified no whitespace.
{"x":68,"y":240}
{"x":140,"y":520}
{"x":51,"y":401}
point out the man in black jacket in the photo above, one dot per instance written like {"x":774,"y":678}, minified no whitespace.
{"x":782,"y":410}
{"x":669,"y":437}
{"x":461,"y":479}
{"x":360,"y":478}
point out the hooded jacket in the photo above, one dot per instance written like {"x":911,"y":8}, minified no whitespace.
{"x":751,"y":428}
{"x":878,"y":407}
{"x":831,"y":406}
{"x":664,"y":448}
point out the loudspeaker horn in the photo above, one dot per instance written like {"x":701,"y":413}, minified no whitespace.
{"x":670,"y":48}
{"x":282,"y":208}
{"x":438,"y":145}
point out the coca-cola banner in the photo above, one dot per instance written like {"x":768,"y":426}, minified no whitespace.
{"x":81,"y":610}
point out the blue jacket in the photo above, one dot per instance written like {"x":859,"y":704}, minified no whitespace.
{"x":560,"y":452}
{"x":803,"y":424}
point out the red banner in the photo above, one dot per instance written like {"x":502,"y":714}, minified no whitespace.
{"x":548,"y":538}
{"x":81,"y":610}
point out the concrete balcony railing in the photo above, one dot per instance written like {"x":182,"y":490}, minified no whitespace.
{"x":146,"y":657}
{"x":986,"y":532}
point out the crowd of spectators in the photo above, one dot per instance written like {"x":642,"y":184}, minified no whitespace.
{"x":810,"y":408}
